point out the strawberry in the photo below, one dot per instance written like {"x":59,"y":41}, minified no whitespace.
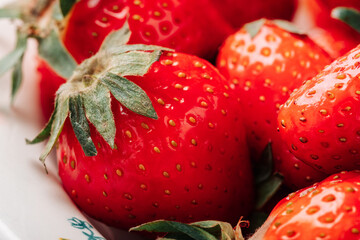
{"x":319,"y":122}
{"x":239,"y":12}
{"x":193,"y":27}
{"x":265,"y":63}
{"x":171,"y":146}
{"x":327,"y":210}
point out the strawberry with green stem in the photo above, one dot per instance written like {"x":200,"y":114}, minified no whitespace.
{"x":165,"y":138}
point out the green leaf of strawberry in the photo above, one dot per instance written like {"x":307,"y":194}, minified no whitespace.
{"x":264,"y":170}
{"x":14,"y":60}
{"x":66,"y":6}
{"x":15,"y":56}
{"x":10,"y":12}
{"x":267,"y":182}
{"x":349,"y":16}
{"x":205,"y":230}
{"x":267,"y":189}
{"x":61,"y":113}
{"x":129,"y":94}
{"x":133,"y":61}
{"x":58,"y":58}
{"x":117,"y":38}
{"x":254,"y":27}
{"x":80,"y":125}
{"x":98,"y":112}
{"x":17,"y":75}
{"x":288,"y":26}
{"x":45,"y":132}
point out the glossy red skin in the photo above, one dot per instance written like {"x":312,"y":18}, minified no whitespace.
{"x":215,"y":180}
{"x":335,"y":216}
{"x":259,"y":85}
{"x":336,"y":41}
{"x":193,"y":27}
{"x":329,"y":137}
{"x":239,"y":12}
{"x":297,"y":174}
{"x":48,"y":85}
{"x":334,"y":36}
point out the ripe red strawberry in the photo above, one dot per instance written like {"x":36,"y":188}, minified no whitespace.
{"x":188,"y":26}
{"x":239,"y":12}
{"x":320,"y":122}
{"x":327,"y":210}
{"x":336,"y":37}
{"x":191,"y":163}
{"x":264,"y":66}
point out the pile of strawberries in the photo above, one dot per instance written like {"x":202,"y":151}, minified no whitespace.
{"x":146,"y":129}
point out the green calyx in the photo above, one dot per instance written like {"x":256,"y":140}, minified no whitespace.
{"x":266,"y":181}
{"x":14,"y":60}
{"x":36,"y":24}
{"x":66,"y":5}
{"x":205,"y":230}
{"x":86,"y":96}
{"x":349,"y":16}
{"x":28,"y":11}
{"x":253,"y":28}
